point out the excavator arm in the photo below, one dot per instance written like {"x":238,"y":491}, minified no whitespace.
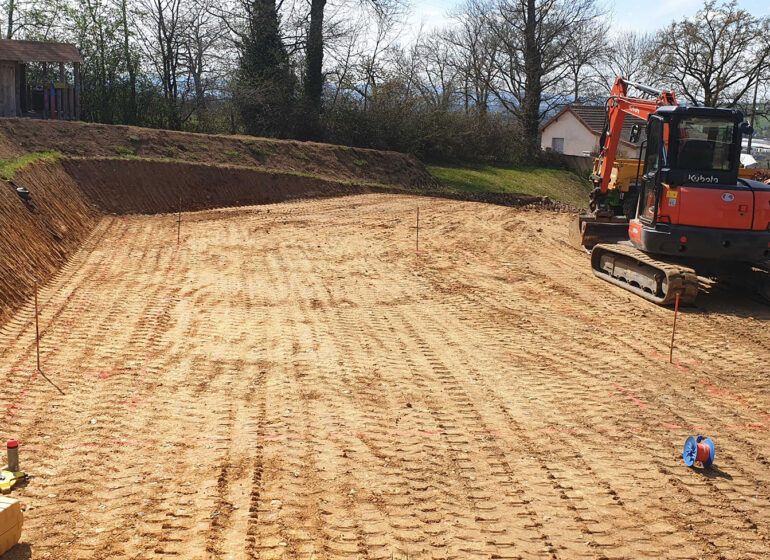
{"x":619,"y":105}
{"x":603,"y":224}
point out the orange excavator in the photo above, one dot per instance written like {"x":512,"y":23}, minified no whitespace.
{"x":683,"y":209}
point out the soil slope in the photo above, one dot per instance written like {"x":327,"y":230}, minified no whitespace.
{"x":123,"y":170}
{"x":120,"y":186}
{"x":294,"y":382}
{"x":323,"y":160}
{"x":36,"y":238}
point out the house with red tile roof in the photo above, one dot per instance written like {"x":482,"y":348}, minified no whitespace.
{"x":576,"y":129}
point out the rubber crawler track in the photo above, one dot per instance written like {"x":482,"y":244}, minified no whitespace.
{"x":679,"y":279}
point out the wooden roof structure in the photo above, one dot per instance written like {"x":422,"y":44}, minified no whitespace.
{"x":38,"y":51}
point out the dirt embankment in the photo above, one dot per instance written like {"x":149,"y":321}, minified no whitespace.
{"x":36,"y":238}
{"x":119,"y":186}
{"x":69,"y":197}
{"x":124,"y":170}
{"x":322,"y":160}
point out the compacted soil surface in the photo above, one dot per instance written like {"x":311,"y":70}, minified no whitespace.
{"x":294,"y":381}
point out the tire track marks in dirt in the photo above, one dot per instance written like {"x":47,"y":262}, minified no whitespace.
{"x":561,"y":331}
{"x":293,"y":382}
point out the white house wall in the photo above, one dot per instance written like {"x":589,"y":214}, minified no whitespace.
{"x":578,"y":140}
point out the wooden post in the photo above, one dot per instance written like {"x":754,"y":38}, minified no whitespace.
{"x":417,"y":237}
{"x":24,"y":87}
{"x":179,"y":222}
{"x":76,"y":73}
{"x":37,"y":331}
{"x":71,"y":102}
{"x":673,"y":332}
{"x":52,"y":101}
{"x":18,"y":88}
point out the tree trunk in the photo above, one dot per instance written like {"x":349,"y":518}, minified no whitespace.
{"x":200,"y":91}
{"x":314,"y":56}
{"x":577,"y":85}
{"x":105,"y":105}
{"x":131,"y":109}
{"x":11,"y":10}
{"x":533,"y":91}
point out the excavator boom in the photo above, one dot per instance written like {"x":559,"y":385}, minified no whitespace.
{"x":619,"y":105}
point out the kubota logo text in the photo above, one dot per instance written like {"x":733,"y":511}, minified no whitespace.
{"x":702,"y":178}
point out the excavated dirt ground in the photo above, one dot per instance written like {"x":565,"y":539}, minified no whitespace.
{"x":294,"y":382}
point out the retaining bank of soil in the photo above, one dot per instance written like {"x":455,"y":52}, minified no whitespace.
{"x":119,"y":186}
{"x":336,"y":163}
{"x":70,"y":196}
{"x":36,"y":238}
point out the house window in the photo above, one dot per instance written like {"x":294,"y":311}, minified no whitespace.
{"x":557,"y":145}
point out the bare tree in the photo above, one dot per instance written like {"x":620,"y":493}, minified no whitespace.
{"x":35,"y":19}
{"x":314,"y":56}
{"x":131,"y":60}
{"x":165,"y":21}
{"x":203,"y":37}
{"x":585,"y":52}
{"x":716,"y":57}
{"x":10,"y":8}
{"x":532,"y":64}
{"x":475,"y":49}
{"x":439,"y":72}
{"x":96,"y":24}
{"x":345,"y":54}
{"x":628,"y":55}
{"x":372,"y":63}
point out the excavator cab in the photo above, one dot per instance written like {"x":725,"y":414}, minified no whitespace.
{"x":692,"y":203}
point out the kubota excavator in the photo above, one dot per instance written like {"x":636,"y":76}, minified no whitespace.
{"x":683,"y":209}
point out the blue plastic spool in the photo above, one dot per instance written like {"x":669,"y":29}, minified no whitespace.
{"x":699,"y":450}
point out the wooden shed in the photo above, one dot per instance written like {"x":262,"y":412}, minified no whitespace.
{"x":39,"y":79}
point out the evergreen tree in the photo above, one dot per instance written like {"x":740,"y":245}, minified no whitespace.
{"x":265,"y":89}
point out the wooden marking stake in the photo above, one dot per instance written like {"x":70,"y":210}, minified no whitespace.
{"x":179,"y":222}
{"x":37,"y":331}
{"x":37,"y":346}
{"x":673,"y":332}
{"x":417,"y":238}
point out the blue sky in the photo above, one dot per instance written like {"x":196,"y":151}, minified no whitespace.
{"x":642,"y":15}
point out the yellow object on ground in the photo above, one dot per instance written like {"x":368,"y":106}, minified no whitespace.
{"x":11,"y":520}
{"x":8,"y":479}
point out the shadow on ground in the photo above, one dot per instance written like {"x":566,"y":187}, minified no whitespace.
{"x":724,"y":300}
{"x":21,"y":551}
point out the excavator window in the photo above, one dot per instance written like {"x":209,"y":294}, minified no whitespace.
{"x":705,"y":144}
{"x":654,"y":140}
{"x":652,"y":163}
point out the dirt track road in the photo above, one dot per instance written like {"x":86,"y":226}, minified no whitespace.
{"x":294,"y":382}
